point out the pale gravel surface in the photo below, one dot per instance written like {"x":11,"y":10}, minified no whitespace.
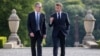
{"x":47,"y":51}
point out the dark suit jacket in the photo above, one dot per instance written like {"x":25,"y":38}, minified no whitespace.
{"x":32,"y":23}
{"x":61,"y":24}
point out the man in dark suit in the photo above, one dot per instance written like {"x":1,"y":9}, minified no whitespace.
{"x":37,"y":29}
{"x":60,"y":23}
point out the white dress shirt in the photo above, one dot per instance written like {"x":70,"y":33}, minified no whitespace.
{"x":58,"y":14}
{"x":37,"y":17}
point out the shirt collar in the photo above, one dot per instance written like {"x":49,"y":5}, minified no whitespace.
{"x":59,"y":12}
{"x":37,"y":12}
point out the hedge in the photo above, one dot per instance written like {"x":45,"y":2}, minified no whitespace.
{"x":98,"y":43}
{"x":3,"y":40}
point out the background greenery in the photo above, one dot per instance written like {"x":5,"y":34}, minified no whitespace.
{"x":72,"y":7}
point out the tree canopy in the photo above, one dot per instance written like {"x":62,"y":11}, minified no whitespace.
{"x":72,"y":7}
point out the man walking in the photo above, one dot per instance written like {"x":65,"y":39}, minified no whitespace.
{"x":37,"y":29}
{"x":60,"y":23}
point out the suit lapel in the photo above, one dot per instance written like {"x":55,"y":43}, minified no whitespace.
{"x":34,"y":18}
{"x":56,"y":16}
{"x":40,"y":19}
{"x":61,"y":15}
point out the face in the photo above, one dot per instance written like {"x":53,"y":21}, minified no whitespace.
{"x":38,"y":8}
{"x":58,"y":8}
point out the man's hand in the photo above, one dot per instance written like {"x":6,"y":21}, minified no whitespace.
{"x":32,"y":34}
{"x":44,"y":36}
{"x":51,"y":20}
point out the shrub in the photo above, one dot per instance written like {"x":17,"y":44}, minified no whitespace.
{"x":3,"y":40}
{"x":98,"y":41}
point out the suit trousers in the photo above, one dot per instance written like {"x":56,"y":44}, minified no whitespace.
{"x":36,"y":39}
{"x":56,"y":39}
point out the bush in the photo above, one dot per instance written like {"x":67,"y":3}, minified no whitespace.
{"x":23,"y":7}
{"x":3,"y":40}
{"x":98,"y":41}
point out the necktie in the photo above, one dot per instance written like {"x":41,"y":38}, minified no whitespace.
{"x":58,"y":15}
{"x":38,"y":28}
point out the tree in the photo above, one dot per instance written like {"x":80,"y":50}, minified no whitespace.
{"x":73,"y":7}
{"x":23,"y":7}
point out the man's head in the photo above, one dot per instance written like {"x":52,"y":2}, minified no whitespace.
{"x":58,"y":7}
{"x":38,"y":6}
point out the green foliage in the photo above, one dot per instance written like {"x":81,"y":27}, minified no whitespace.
{"x":72,"y":7}
{"x":44,"y":42}
{"x":73,"y":2}
{"x":77,"y":9}
{"x":23,"y":7}
{"x":98,"y":41}
{"x":3,"y":40}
